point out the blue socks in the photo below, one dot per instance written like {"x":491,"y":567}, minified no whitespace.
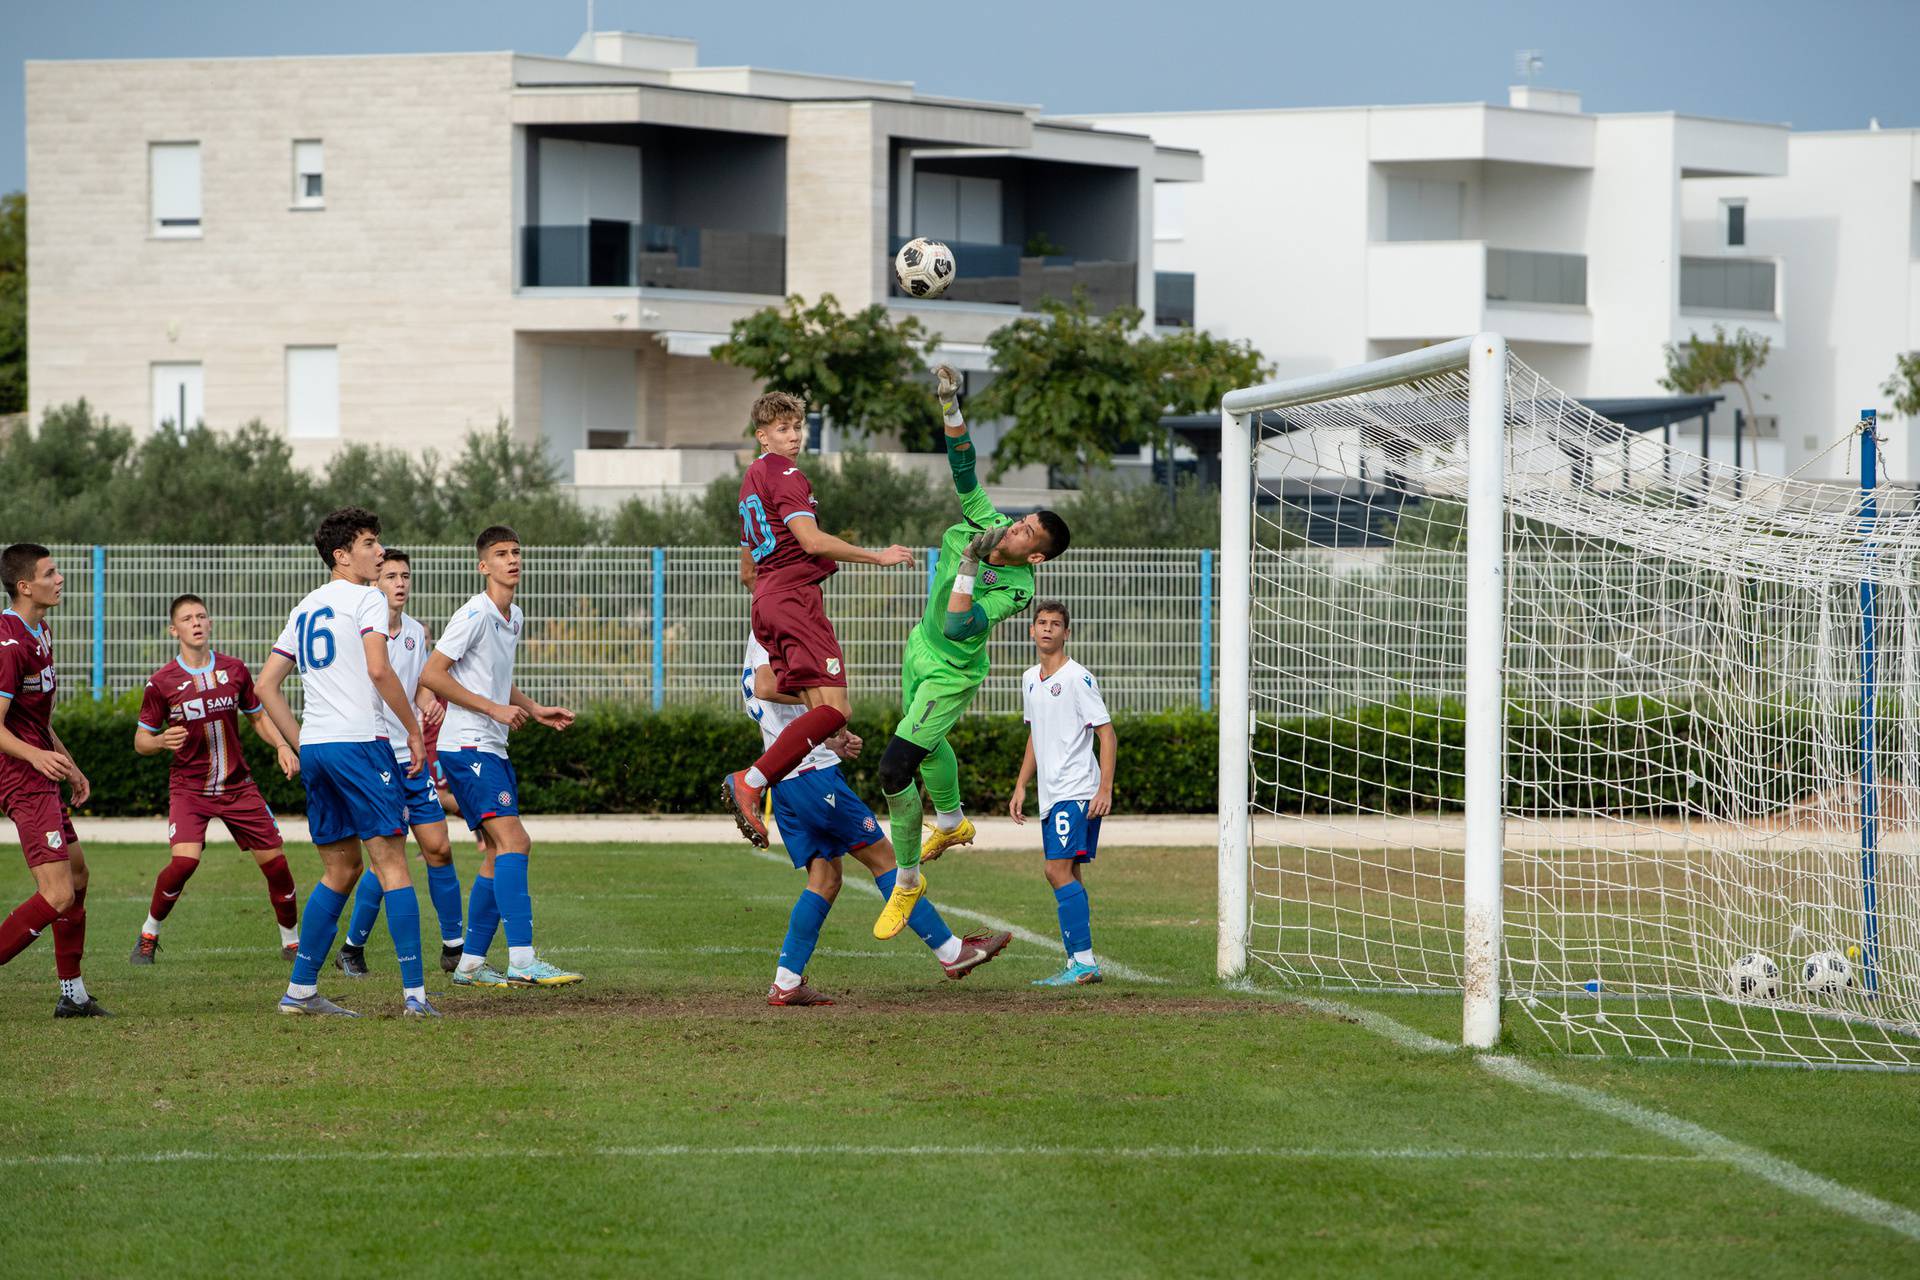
{"x":925,"y":920}
{"x":366,"y":909}
{"x":403,"y":922}
{"x":443,"y":887}
{"x":803,"y":930}
{"x":483,"y":916}
{"x":510,"y":892}
{"x":318,"y":925}
{"x":1076,"y":917}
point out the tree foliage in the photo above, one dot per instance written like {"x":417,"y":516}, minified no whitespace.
{"x":1079,"y":387}
{"x":1108,"y":513}
{"x":13,"y":302}
{"x":864,"y":372}
{"x":1903,"y":385}
{"x":1701,"y":365}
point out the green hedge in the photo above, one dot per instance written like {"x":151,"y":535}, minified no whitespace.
{"x":1637,"y":755}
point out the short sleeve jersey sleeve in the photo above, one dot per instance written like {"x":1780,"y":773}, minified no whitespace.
{"x":154,"y":711}
{"x":370,"y":613}
{"x":243,"y":690}
{"x":287,"y":646}
{"x":790,"y":494}
{"x":1093,"y":707}
{"x":458,"y":637}
{"x":10,"y":663}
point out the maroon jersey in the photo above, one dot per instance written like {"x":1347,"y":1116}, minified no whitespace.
{"x":206,"y":702}
{"x":773,"y":493}
{"x":26,"y":688}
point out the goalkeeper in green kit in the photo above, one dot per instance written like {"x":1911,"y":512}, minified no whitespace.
{"x":985,"y":576}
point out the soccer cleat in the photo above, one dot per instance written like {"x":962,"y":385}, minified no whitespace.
{"x":539,"y":974}
{"x":450,"y":957}
{"x":351,"y":961}
{"x":743,"y":802}
{"x":289,"y":951}
{"x":900,"y":904}
{"x":796,"y":995}
{"x":485,"y":976}
{"x":143,"y":950}
{"x":71,"y":1008}
{"x":975,"y":950}
{"x":1074,"y":975}
{"x":419,"y":1008}
{"x":314,"y":1004}
{"x":938,"y":842}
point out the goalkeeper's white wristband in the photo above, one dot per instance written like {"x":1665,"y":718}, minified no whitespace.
{"x":950,"y":413}
{"x":963,"y":584}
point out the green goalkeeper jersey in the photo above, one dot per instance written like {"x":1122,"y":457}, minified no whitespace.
{"x":1000,"y":590}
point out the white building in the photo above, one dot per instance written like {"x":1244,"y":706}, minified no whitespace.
{"x":397,"y":250}
{"x":1844,"y":221}
{"x":1333,"y":236}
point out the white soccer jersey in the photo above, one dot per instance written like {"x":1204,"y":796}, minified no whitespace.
{"x":1062,"y":711}
{"x":323,"y":639}
{"x":774,"y":717}
{"x":481,"y":645}
{"x":407,"y":655}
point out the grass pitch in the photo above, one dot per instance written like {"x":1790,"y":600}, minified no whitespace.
{"x":661,"y":1118}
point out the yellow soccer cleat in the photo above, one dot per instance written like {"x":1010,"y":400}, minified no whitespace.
{"x":938,"y":842}
{"x":900,"y":905}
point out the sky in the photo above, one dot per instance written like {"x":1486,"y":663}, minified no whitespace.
{"x":1817,"y":64}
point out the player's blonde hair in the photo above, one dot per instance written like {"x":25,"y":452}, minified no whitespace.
{"x":775,"y":405}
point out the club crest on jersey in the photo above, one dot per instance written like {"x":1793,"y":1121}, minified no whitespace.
{"x":1055,"y":690}
{"x":989,"y":577}
{"x":505,"y":797}
{"x":867,"y":823}
{"x":53,"y":840}
{"x":220,"y":677}
{"x":408,"y":642}
{"x":833,"y":666}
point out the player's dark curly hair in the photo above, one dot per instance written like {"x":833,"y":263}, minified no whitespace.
{"x":1059,"y":537}
{"x":492,"y":535}
{"x":339,"y":530}
{"x":18,"y":562}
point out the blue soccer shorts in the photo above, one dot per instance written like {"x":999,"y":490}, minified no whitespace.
{"x":1070,"y":833}
{"x":353,"y":791}
{"x":820,"y":817}
{"x":483,"y":784}
{"x":421,"y":799}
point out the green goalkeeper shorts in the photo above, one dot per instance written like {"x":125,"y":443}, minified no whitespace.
{"x":934,"y":695}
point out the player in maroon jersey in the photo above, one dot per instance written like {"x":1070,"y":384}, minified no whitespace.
{"x":786,"y":555}
{"x":192,"y":708}
{"x":33,"y":764}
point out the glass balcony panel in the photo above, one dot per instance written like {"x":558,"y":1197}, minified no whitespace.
{"x":605,"y":254}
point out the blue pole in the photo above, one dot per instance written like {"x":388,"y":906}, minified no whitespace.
{"x":99,"y":623}
{"x":1869,"y":789}
{"x":1206,"y":629}
{"x":659,"y":627}
{"x":933,"y":567}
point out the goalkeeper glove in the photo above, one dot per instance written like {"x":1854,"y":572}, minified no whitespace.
{"x":946,"y":385}
{"x":979,"y":548}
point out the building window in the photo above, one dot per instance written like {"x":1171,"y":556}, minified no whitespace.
{"x":309,"y":175}
{"x":178,"y":403}
{"x":1425,"y":209}
{"x":174,"y":180}
{"x":1735,"y":223}
{"x":1169,"y":211}
{"x":313,"y":393}
{"x":956,"y":209}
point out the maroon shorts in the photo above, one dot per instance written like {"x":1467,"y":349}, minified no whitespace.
{"x":791,"y":624}
{"x":46,"y":832}
{"x":242,"y":808}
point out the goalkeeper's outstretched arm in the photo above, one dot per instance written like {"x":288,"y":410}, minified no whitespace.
{"x":961,"y":455}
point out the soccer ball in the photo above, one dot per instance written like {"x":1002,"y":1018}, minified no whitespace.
{"x":1755,"y":976}
{"x":924,"y":267}
{"x":1827,"y":973}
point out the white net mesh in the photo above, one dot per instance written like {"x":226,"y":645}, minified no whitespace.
{"x":1710,"y":812}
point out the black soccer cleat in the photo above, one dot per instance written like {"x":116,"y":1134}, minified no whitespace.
{"x":352,"y":960}
{"x":143,"y":950}
{"x":450,"y":957}
{"x":71,"y":1008}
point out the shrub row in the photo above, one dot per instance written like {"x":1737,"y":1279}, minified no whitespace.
{"x":1637,"y":755}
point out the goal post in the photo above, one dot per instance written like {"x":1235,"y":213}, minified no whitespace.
{"x":1615,"y":741}
{"x":1484,"y":358}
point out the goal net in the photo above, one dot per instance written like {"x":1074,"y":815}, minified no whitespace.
{"x":1618,"y":741}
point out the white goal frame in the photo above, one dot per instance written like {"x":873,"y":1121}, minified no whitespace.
{"x":1484,"y":357}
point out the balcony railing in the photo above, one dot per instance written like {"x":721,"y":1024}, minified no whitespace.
{"x":1001,"y":273}
{"x":1518,"y":275}
{"x":1728,"y":284}
{"x":1173,"y":299}
{"x":651,"y":255}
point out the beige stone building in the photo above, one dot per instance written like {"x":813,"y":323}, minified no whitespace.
{"x":399,"y":249}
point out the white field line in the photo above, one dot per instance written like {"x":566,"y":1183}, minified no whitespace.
{"x":1126,"y":973}
{"x":842,"y":1151}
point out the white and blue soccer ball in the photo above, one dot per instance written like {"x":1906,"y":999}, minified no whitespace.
{"x":1827,"y":973}
{"x":1755,"y":976}
{"x":924,"y":267}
